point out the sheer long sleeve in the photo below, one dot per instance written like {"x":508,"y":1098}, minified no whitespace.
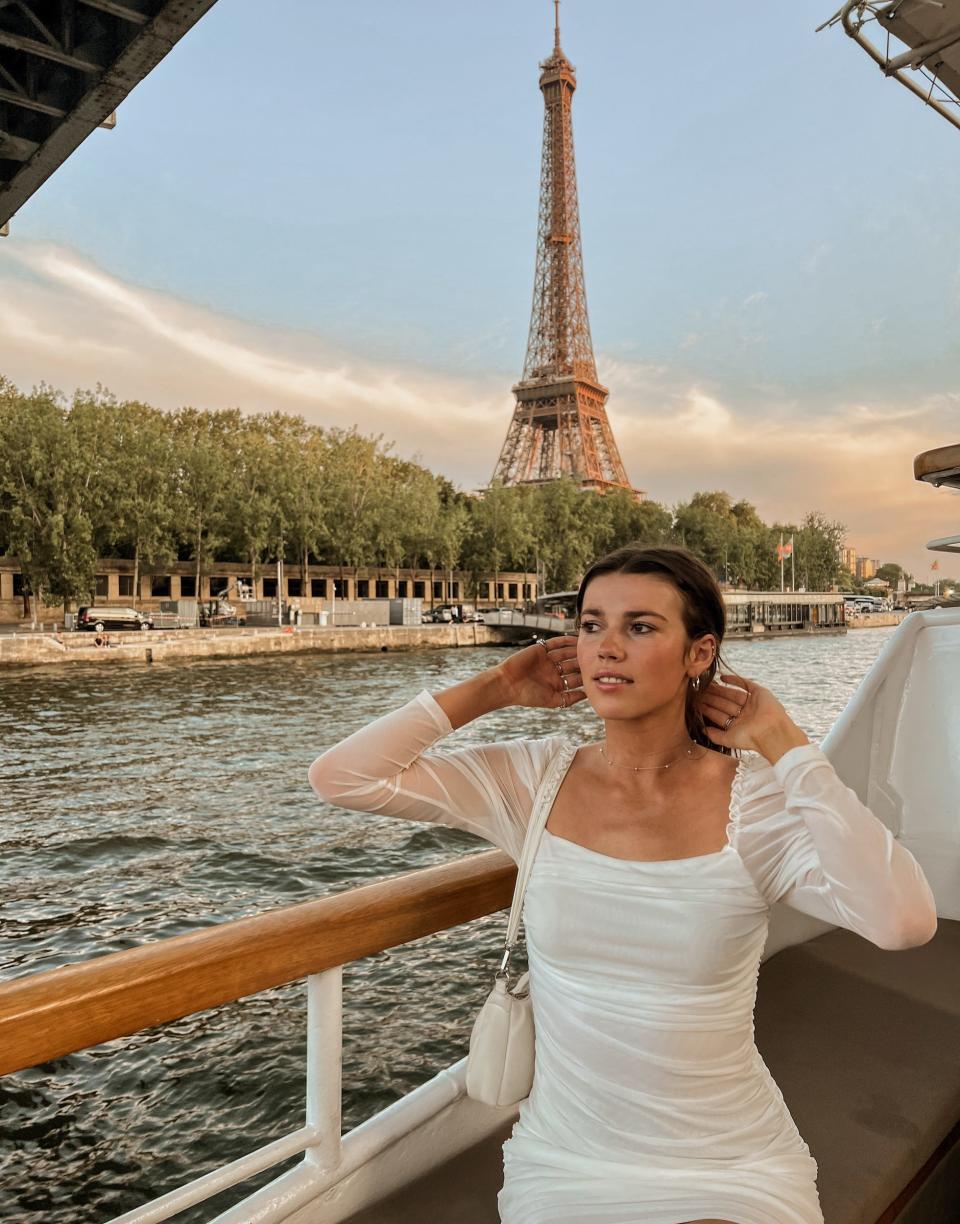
{"x":808,"y":841}
{"x":385,"y":768}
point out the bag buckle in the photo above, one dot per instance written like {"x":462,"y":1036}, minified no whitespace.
{"x":505,"y":960}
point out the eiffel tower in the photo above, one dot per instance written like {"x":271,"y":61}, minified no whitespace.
{"x":559,"y":424}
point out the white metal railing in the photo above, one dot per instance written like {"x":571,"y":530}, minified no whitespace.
{"x":320,"y":1137}
{"x":328,"y":1158}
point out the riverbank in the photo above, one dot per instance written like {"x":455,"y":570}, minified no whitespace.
{"x":159,"y":646}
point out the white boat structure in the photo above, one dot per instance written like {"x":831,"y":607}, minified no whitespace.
{"x":915,"y":42}
{"x":863,"y":1042}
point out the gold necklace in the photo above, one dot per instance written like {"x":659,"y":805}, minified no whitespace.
{"x":686,"y":755}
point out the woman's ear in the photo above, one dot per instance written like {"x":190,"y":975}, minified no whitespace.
{"x":704,"y":650}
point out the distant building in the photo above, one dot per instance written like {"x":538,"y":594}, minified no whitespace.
{"x":866,"y":568}
{"x":848,"y":559}
{"x":114,"y":584}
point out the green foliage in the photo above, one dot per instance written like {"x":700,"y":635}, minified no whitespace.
{"x":817,"y":545}
{"x":48,"y":494}
{"x":892,"y":573}
{"x":206,"y":462}
{"x":101,"y":476}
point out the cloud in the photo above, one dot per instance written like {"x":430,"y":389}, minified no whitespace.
{"x":66,"y":322}
{"x":851,"y":460}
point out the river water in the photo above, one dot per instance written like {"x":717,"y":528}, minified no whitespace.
{"x":142,"y":802}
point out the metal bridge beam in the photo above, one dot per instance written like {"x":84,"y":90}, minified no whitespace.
{"x":106,"y":46}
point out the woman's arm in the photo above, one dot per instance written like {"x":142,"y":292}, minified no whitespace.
{"x":805,"y":836}
{"x":385,"y":766}
{"x":809,"y":842}
{"x":482,"y":694}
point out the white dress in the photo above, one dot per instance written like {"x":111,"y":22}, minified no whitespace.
{"x":650,"y":1102}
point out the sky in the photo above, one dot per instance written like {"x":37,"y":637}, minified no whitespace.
{"x":334,"y":214}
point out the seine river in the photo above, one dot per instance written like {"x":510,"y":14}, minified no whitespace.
{"x":142,"y":802}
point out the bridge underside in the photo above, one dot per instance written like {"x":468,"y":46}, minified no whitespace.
{"x":65,"y":66}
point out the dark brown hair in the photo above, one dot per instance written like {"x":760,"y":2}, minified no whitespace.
{"x":703,"y":607}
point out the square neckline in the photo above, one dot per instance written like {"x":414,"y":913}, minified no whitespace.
{"x":732,"y":813}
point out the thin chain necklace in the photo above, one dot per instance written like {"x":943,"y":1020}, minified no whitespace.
{"x":684,"y":756}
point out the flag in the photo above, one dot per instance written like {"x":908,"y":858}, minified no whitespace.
{"x":935,"y":565}
{"x":785,"y":550}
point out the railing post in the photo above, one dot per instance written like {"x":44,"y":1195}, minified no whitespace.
{"x":324,"y":1049}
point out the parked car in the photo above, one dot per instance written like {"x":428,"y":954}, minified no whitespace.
{"x":100,"y":618}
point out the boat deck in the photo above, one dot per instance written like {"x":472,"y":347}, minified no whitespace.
{"x":862,"y":1044}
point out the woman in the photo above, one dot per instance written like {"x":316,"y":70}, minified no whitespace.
{"x":646,"y":911}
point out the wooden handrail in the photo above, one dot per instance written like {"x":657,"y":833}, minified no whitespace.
{"x":57,"y":1012}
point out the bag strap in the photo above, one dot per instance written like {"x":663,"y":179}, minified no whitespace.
{"x":538,"y":820}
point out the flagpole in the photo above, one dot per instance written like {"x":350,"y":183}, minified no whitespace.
{"x":781,"y":562}
{"x":793,"y":580}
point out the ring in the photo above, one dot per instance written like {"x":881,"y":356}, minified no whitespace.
{"x":726,"y":725}
{"x":563,"y":699}
{"x":539,"y":641}
{"x":564,"y":679}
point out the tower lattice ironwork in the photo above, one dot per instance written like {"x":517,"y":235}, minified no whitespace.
{"x":559,"y":424}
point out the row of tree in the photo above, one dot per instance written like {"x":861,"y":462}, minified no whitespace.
{"x":94,"y":477}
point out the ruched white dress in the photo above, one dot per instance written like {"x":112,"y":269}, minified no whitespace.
{"x":650,"y":1102}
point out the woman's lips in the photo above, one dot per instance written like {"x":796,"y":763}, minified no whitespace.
{"x":612,"y":686}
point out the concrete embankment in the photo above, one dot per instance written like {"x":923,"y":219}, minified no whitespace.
{"x":874,"y":620}
{"x":161,"y":646}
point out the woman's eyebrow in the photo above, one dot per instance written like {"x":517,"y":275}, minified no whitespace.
{"x":626,"y":615}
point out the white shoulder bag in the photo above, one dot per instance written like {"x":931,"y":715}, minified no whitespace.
{"x":501,"y":1058}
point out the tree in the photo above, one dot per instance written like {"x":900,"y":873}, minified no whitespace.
{"x":569,"y":523}
{"x":408,"y":510}
{"x":450,"y":530}
{"x":494,"y":535}
{"x":206,"y":463}
{"x":891,"y":573}
{"x":44,"y":523}
{"x":750,"y":557}
{"x":138,"y":483}
{"x":298,"y":472}
{"x":250,"y":511}
{"x":351,"y":496}
{"x":707,"y":526}
{"x":817,"y":552}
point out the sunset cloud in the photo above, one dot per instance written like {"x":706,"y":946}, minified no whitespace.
{"x":66,"y":322}
{"x":849,"y":459}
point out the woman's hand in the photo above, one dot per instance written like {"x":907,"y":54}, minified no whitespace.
{"x":545,"y":675}
{"x":747,"y":715}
